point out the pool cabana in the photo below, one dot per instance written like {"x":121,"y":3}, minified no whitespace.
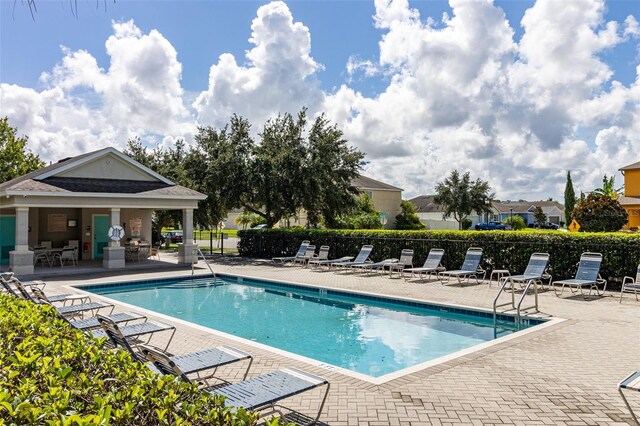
{"x":77,"y":200}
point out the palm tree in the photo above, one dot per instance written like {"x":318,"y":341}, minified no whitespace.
{"x":608,"y":188}
{"x":244,"y":219}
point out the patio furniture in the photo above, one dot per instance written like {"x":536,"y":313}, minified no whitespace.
{"x":432,"y":264}
{"x":361,"y":258}
{"x":588,"y":275}
{"x":301,"y":251}
{"x":23,"y":292}
{"x":470,"y":268}
{"x":262,"y":393}
{"x":380,"y":266}
{"x":68,"y":310}
{"x":67,"y":254}
{"x":499,"y":275}
{"x":185,"y":366}
{"x":308,"y":254}
{"x":41,"y":254}
{"x":534,"y":273}
{"x":406,"y":260}
{"x":631,"y":382}
{"x":115,"y":334}
{"x":257,"y":394}
{"x":323,"y":254}
{"x":631,"y":285}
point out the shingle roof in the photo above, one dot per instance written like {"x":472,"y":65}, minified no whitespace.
{"x":633,"y":166}
{"x":425,"y":204}
{"x":629,"y":201}
{"x":523,"y":206}
{"x":363,"y":182}
{"x":106,"y":186}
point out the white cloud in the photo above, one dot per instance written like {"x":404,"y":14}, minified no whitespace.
{"x":460,"y":93}
{"x":278,"y":76}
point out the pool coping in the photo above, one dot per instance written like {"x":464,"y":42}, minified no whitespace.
{"x":545,"y":323}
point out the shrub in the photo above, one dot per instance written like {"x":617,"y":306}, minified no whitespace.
{"x":408,"y":219}
{"x":466,"y":224}
{"x":51,"y":373}
{"x":507,"y":250}
{"x":600,"y":213}
{"x":516,"y":222}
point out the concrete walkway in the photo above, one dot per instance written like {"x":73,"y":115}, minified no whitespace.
{"x":565,"y":374}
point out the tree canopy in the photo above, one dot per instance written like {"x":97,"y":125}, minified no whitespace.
{"x":600,"y":213}
{"x":460,"y":196}
{"x":539,"y":216}
{"x":408,"y":219}
{"x":608,"y":188}
{"x":15,"y":158}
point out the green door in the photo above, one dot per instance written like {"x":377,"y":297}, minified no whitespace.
{"x":100,"y":237}
{"x":7,"y":237}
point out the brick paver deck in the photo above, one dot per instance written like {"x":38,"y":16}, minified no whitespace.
{"x":565,"y":374}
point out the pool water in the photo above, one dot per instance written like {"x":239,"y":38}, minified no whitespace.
{"x":369,"y":335}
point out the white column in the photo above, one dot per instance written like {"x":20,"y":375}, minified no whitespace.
{"x":114,"y":253}
{"x":185,"y":250}
{"x":21,"y":258}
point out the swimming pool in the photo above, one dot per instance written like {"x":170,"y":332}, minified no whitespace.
{"x":368,"y":334}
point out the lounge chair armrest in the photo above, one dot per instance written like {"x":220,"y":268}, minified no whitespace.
{"x":627,"y":278}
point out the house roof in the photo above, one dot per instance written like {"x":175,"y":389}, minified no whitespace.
{"x":633,"y":166}
{"x":525,"y":206}
{"x":364,"y":182}
{"x":629,"y":201}
{"x":45,"y":181}
{"x":425,"y":204}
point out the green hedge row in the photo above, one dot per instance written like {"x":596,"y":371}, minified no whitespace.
{"x":502,"y":249}
{"x":52,"y":374}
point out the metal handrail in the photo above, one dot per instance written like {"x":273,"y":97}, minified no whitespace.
{"x":198,"y":253}
{"x":518,"y":308}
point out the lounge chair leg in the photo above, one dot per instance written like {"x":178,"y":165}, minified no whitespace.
{"x":633,"y":415}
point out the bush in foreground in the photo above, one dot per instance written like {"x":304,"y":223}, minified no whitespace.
{"x":52,"y":374}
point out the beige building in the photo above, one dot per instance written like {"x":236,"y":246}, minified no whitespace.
{"x":386,"y":199}
{"x":83,"y":202}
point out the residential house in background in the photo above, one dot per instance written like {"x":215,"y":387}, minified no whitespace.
{"x":432,"y":214}
{"x":631,"y":198}
{"x":386,"y":199}
{"x":526,"y":209}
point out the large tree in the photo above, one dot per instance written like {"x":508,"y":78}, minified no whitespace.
{"x":15,"y":159}
{"x":569,"y":199}
{"x":460,"y":196}
{"x":600,"y":213}
{"x":290,"y":168}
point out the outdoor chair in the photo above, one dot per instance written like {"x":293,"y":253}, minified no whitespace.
{"x":323,"y":258}
{"x":68,"y":310}
{"x":361,"y":258}
{"x":41,"y":254}
{"x":470,"y":268}
{"x":35,"y":286}
{"x":379,"y":266}
{"x":323,"y":254}
{"x":432,"y":265}
{"x":301,"y":252}
{"x":68,"y":254}
{"x":308,"y":254}
{"x":114,"y":333}
{"x":588,"y":275}
{"x":406,"y":261}
{"x":258,"y":394}
{"x":631,"y":285}
{"x":200,"y":363}
{"x":535,"y":270}
{"x":631,"y":382}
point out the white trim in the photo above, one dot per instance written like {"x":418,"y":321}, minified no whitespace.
{"x":98,"y":154}
{"x":379,"y":189}
{"x":103,"y":195}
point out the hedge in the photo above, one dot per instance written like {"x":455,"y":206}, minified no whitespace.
{"x":53,"y":374}
{"x":502,"y":249}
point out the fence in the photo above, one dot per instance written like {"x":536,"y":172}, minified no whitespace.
{"x":620,"y":258}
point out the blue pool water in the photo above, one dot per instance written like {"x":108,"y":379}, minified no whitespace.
{"x":366,"y":334}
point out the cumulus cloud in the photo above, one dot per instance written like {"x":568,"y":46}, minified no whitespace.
{"x":460,"y":91}
{"x":278,"y":75}
{"x":84,"y":107}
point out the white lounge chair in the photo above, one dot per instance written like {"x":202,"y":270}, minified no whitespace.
{"x":588,"y":275}
{"x":432,"y":264}
{"x":361,"y":258}
{"x":308,"y":254}
{"x":631,"y":382}
{"x":301,"y":251}
{"x":406,"y":261}
{"x":631,"y":285}
{"x":470,"y":268}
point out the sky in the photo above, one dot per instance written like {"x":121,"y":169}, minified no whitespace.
{"x":515,"y":92}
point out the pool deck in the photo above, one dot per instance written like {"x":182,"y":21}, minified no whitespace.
{"x":563,"y":374}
